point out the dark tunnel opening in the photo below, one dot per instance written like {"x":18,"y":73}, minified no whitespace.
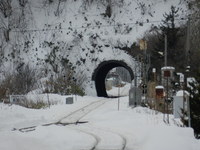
{"x":101,"y":72}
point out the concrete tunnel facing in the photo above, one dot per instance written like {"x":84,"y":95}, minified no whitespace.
{"x":99,"y":74}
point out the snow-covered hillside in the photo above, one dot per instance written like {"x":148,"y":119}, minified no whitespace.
{"x":51,"y":35}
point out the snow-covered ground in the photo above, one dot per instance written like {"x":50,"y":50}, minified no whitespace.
{"x":106,"y":128}
{"x":122,"y":91}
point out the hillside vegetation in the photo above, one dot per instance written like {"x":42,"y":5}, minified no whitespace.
{"x":63,"y":41}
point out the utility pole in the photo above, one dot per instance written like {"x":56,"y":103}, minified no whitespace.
{"x":165,"y":64}
{"x":143,"y":46}
{"x":135,"y":84}
{"x":165,"y":50}
{"x":187,"y":69}
{"x":188,"y":41}
{"x":147,"y":63}
{"x":118,"y":98}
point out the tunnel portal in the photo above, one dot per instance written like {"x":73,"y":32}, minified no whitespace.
{"x":102,"y":70}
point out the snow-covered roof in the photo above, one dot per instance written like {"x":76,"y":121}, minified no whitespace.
{"x":159,"y":87}
{"x":167,"y":68}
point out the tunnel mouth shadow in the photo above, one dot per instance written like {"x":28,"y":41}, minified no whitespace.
{"x":101,"y":72}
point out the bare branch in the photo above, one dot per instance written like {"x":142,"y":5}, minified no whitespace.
{"x":6,"y":8}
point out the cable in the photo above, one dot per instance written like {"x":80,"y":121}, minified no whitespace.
{"x":97,"y":26}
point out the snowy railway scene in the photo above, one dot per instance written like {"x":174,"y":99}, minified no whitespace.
{"x":99,"y":75}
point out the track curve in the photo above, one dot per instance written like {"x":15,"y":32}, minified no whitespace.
{"x":114,"y":140}
{"x":105,"y":139}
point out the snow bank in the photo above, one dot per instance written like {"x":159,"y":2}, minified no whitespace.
{"x":46,"y":138}
{"x":14,"y":116}
{"x":142,"y":128}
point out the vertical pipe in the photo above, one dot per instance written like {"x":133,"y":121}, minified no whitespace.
{"x":189,"y":117}
{"x":167,"y":101}
{"x":118,"y":97}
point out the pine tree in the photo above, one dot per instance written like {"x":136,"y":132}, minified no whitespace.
{"x":175,"y":45}
{"x":195,"y":106}
{"x":169,"y":28}
{"x":194,"y":6}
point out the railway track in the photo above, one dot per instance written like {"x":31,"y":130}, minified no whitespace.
{"x":107,"y":139}
{"x":74,"y":117}
{"x":104,"y":139}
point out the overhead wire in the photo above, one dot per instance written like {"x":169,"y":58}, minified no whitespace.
{"x":139,"y":23}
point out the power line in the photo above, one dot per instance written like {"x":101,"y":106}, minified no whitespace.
{"x":138,"y":23}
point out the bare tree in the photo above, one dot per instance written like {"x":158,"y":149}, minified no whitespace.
{"x":108,"y":4}
{"x":25,"y":79}
{"x":13,"y":18}
{"x":58,"y":10}
{"x":23,"y":3}
{"x":21,"y":81}
{"x":6,"y":8}
{"x":2,"y":48}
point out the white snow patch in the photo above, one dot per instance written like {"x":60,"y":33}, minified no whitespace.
{"x":142,"y":128}
{"x":182,"y":93}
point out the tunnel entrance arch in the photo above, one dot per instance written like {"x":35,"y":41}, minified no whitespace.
{"x":102,"y":70}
